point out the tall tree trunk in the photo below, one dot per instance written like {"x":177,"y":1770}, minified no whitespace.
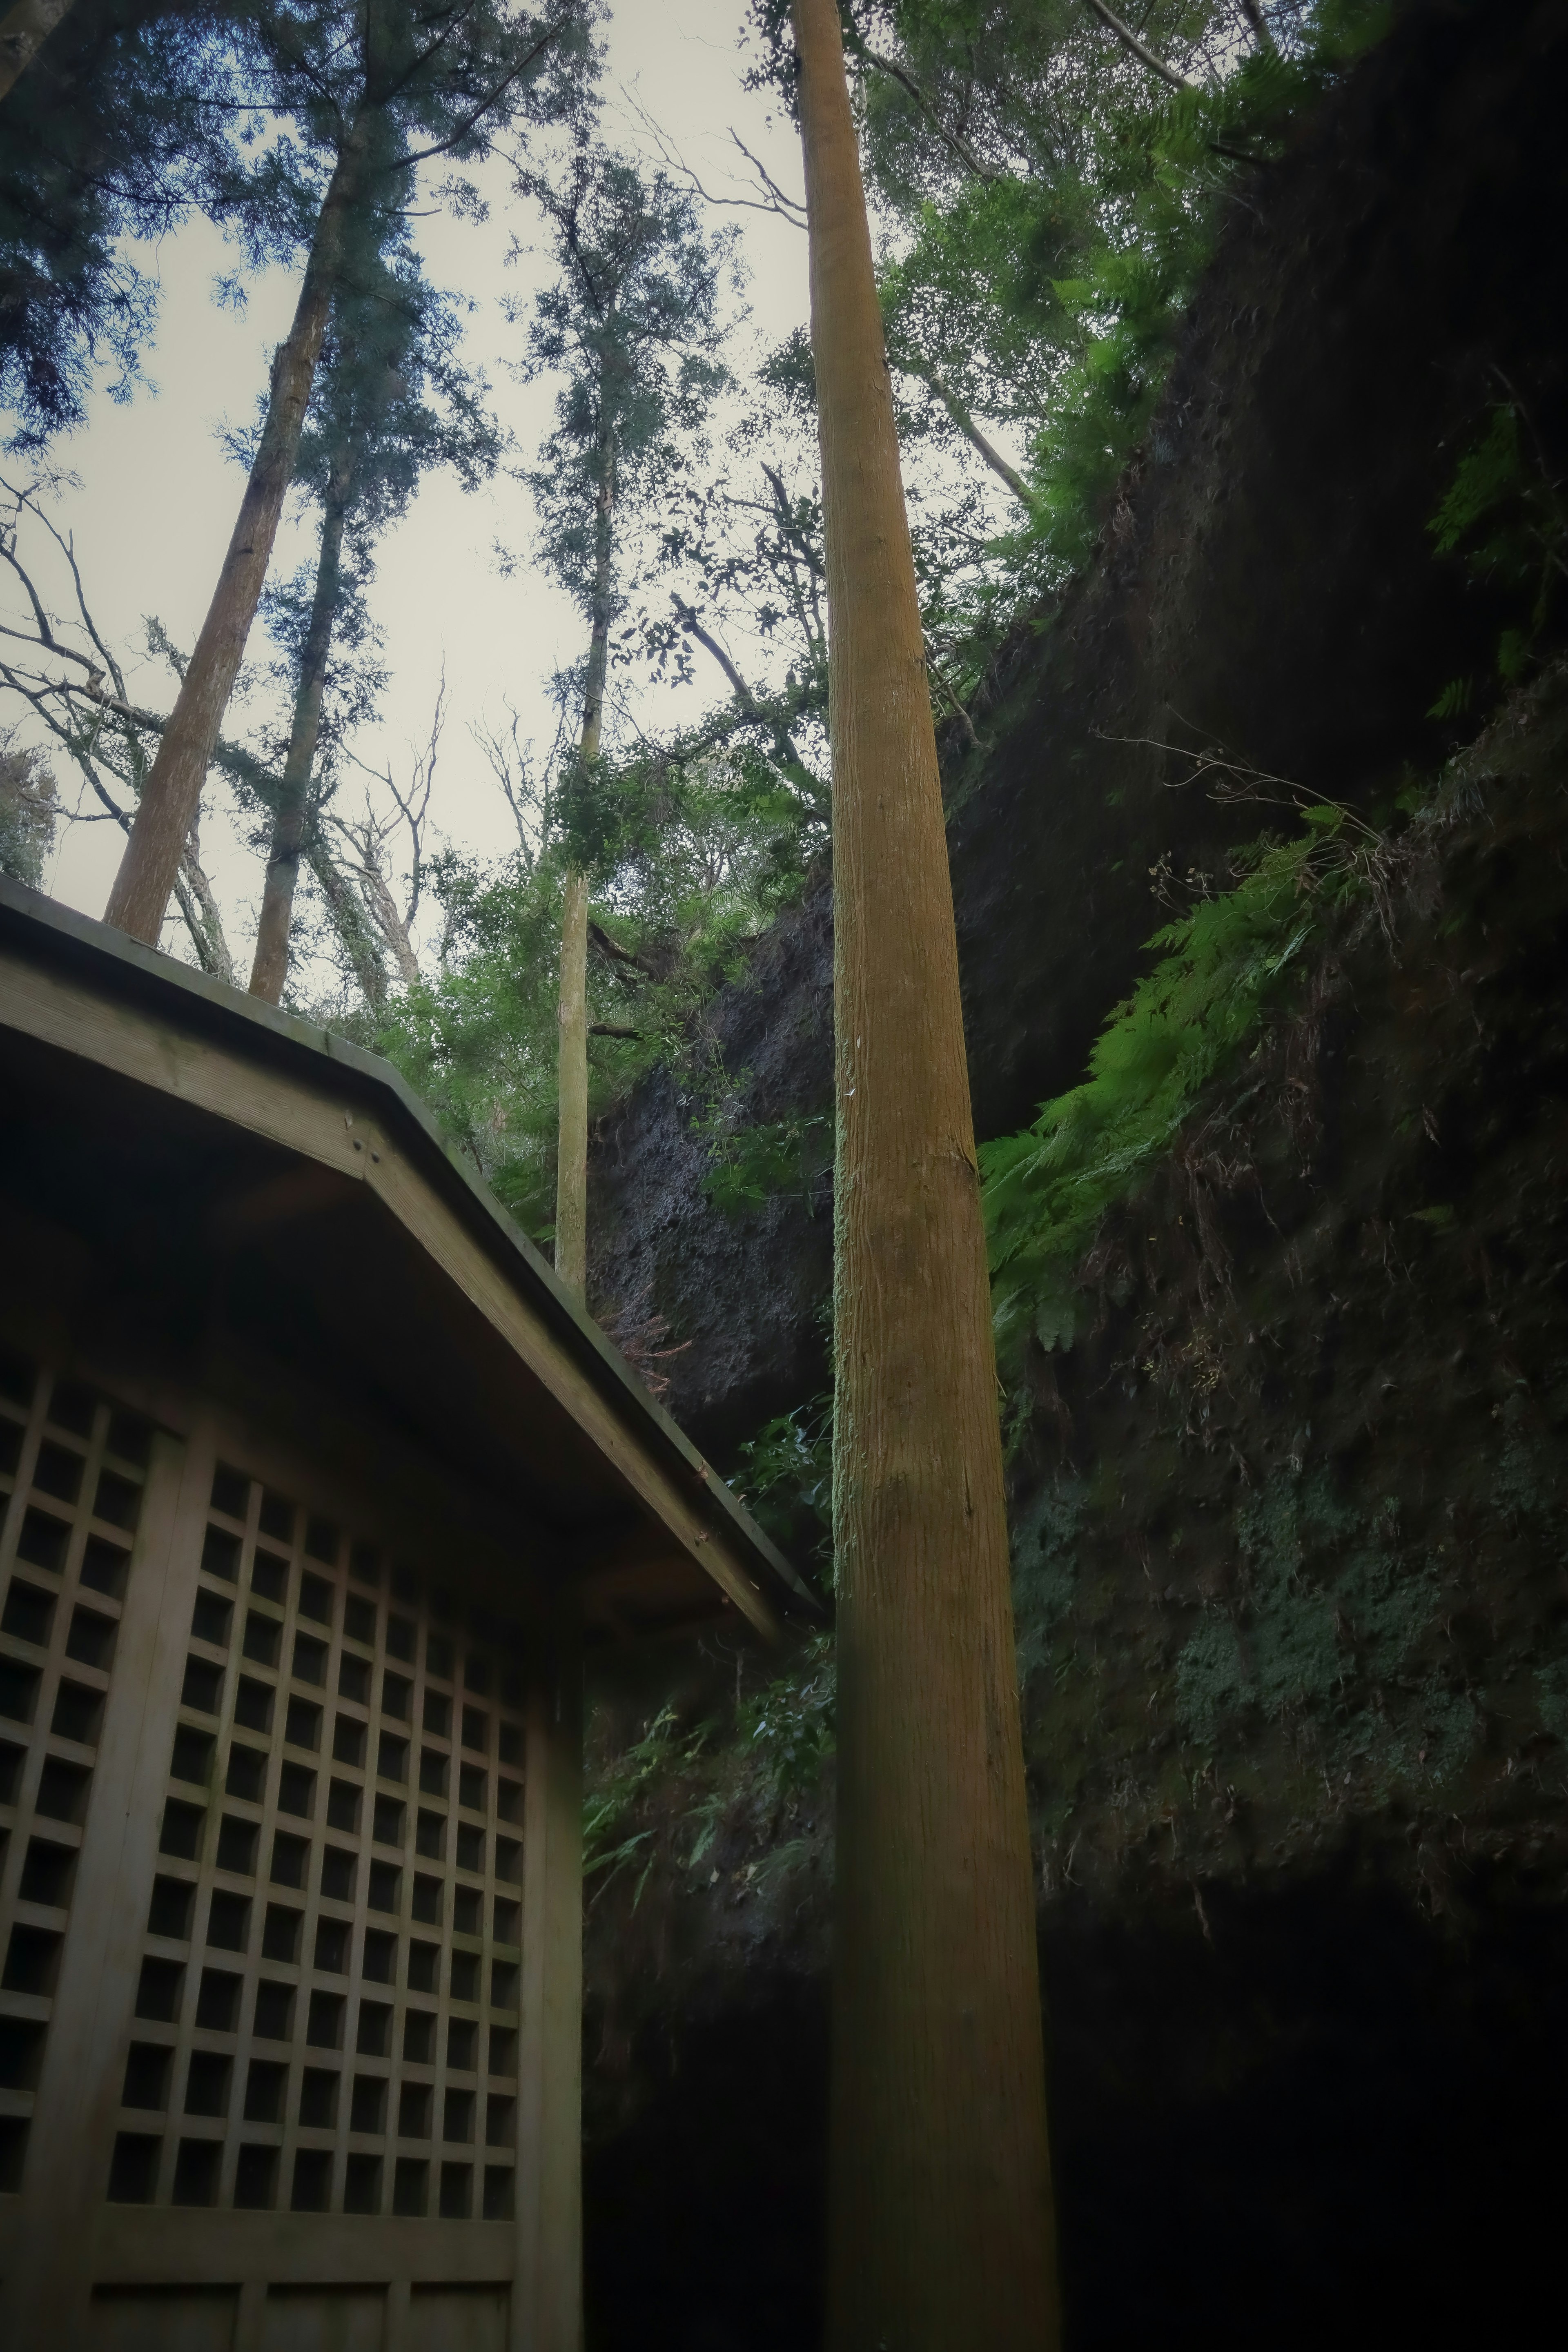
{"x":24,"y":30}
{"x":270,"y":968}
{"x":941,"y":2229}
{"x":168,"y":799}
{"x":572,"y":1011}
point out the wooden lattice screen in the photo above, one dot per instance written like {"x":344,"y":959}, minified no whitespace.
{"x":327,"y":1964}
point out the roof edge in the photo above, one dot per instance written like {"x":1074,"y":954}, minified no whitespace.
{"x":218,"y":1006}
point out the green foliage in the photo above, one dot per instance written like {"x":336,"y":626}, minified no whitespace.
{"x":28,"y":810}
{"x":750,"y":1166}
{"x":1286,"y":1651}
{"x":692,"y":858}
{"x":786,"y":1729}
{"x":1054,"y":204}
{"x":665,"y":1753}
{"x":478,"y":1041}
{"x":786,"y":1480}
{"x":630,"y":328}
{"x":1226,"y":964}
{"x":1505,"y":516}
{"x":110,"y":140}
{"x":1212,"y":1680}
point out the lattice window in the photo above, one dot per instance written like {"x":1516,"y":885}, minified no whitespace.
{"x":327,"y":2015}
{"x":72,"y":1472}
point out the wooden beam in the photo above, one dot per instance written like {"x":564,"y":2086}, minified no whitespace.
{"x":249,"y":1095}
{"x":121,"y":1037}
{"x":416,"y":1206}
{"x":547,"y":2296}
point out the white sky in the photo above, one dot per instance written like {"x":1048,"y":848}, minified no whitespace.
{"x":155,"y":498}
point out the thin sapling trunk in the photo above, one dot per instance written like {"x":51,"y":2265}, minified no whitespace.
{"x":572,"y":1013}
{"x":940,"y":2208}
{"x":572,"y":1079}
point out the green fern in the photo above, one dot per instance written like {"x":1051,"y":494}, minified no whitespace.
{"x":1224,"y":966}
{"x":1507,"y":518}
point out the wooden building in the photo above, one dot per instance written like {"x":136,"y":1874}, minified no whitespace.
{"x":315,"y":1486}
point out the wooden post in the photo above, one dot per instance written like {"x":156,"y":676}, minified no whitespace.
{"x":547,"y":2291}
{"x":44,"y":2299}
{"x":939,"y":2217}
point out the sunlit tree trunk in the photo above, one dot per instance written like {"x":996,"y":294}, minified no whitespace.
{"x":168,"y":799}
{"x":24,"y":30}
{"x":941,"y":2233}
{"x":572,"y":1013}
{"x":270,"y":968}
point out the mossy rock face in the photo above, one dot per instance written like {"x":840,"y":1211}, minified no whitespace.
{"x":1292,"y":1620}
{"x":1288,"y":1531}
{"x":1266,"y":581}
{"x":1287,"y":1512}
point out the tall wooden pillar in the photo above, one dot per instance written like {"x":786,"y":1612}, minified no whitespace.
{"x":547,"y":2296}
{"x":44,"y":2299}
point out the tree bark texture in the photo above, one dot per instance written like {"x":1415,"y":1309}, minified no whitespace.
{"x":572,"y":1079}
{"x":941,"y":2230}
{"x":572,"y":1011}
{"x":24,"y":30}
{"x":270,"y":968}
{"x":172,"y":791}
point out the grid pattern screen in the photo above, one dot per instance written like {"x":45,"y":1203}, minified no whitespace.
{"x":326,"y":2019}
{"x":71,"y":1473}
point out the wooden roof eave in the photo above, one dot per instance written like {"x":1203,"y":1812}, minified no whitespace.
{"x":93,"y":992}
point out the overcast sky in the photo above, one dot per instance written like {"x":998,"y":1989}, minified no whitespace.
{"x":155,"y":497}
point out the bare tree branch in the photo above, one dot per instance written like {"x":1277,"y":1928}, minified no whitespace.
{"x":1140,"y":49}
{"x":358,"y":940}
{"x":790,"y":208}
{"x":199,"y":907}
{"x":925,"y":374}
{"x":369,"y":835}
{"x":953,"y":140}
{"x":618,"y":954}
{"x":772,"y":199}
{"x":509,"y":761}
{"x":784,"y":742}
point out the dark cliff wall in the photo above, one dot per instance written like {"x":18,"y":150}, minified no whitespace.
{"x":1265,"y":581}
{"x":1293,"y":1642}
{"x":1288,"y":1517}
